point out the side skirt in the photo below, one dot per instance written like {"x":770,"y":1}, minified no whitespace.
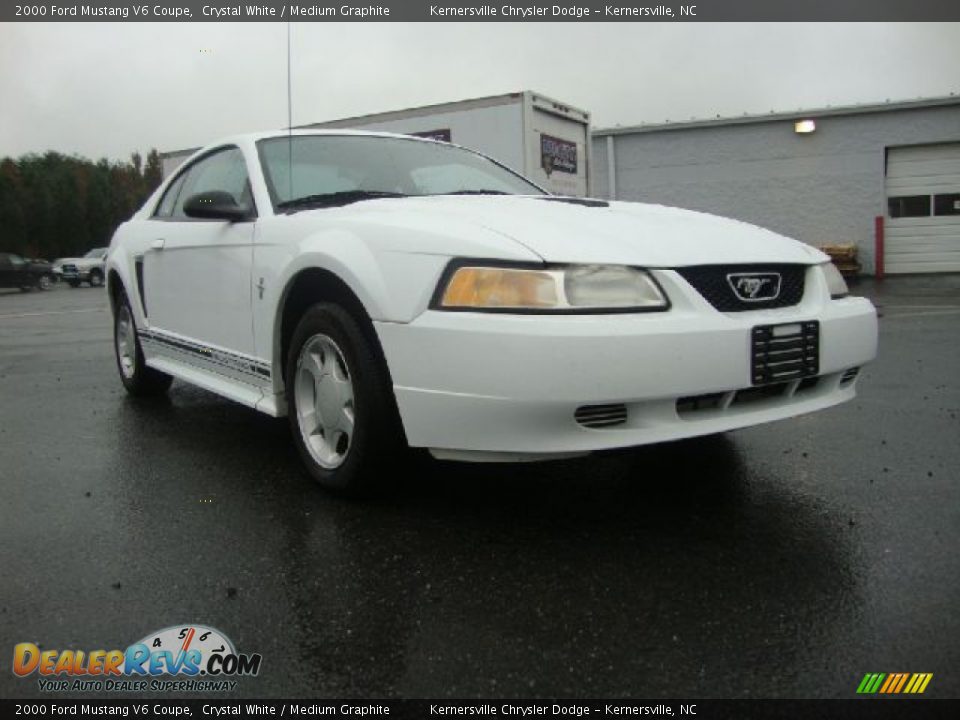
{"x":236,"y":377}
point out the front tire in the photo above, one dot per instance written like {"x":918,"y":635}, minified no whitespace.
{"x":138,"y":379}
{"x":96,"y":278}
{"x":340,"y":403}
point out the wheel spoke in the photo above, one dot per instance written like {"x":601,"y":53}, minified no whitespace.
{"x":312,"y":364}
{"x":343,"y":389}
{"x":345,"y":421}
{"x":310,"y":421}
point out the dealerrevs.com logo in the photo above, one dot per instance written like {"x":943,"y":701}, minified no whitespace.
{"x":178,"y":658}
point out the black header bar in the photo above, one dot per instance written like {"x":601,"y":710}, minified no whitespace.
{"x":460,"y":11}
{"x":858,"y":709}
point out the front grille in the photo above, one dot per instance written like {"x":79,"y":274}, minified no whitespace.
{"x":601,"y":416}
{"x":709,"y":401}
{"x":784,"y":352}
{"x":712,"y":283}
{"x":745,"y":396}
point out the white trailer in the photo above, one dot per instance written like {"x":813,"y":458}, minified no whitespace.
{"x":543,"y":139}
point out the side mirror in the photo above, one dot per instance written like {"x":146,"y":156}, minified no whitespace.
{"x":215,"y":205}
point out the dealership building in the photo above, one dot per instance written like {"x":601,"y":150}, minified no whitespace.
{"x":821,"y":176}
{"x":883,"y":177}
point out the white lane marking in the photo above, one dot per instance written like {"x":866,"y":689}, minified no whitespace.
{"x":929,"y":313}
{"x":52,"y":312}
{"x":919,"y":307}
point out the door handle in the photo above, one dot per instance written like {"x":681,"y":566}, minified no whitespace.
{"x":158,"y":244}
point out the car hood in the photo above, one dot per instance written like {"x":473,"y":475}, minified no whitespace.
{"x":617,"y":232}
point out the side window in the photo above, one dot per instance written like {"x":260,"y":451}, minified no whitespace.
{"x":225,"y":171}
{"x":165,"y":208}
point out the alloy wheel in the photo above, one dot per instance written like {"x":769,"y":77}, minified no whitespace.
{"x":324,"y":401}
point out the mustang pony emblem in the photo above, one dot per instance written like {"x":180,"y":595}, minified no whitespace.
{"x":751,"y":287}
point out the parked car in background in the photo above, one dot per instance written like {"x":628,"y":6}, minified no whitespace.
{"x":87,"y":269}
{"x":383,"y":290}
{"x":19,"y":272}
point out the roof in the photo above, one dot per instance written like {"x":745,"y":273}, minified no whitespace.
{"x":815,"y":113}
{"x":256,"y":136}
{"x":543,"y":102}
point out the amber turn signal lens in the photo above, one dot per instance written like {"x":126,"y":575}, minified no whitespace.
{"x":493,"y":287}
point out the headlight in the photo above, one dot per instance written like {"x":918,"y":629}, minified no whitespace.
{"x":835,"y":282}
{"x":563,"y":289}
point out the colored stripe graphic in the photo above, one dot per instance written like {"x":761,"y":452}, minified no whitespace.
{"x":903,"y":680}
{"x":894,"y":683}
{"x":891,"y":679}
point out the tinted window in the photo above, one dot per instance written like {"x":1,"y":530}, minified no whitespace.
{"x":947,"y":204}
{"x":307,"y":165}
{"x":225,"y":171}
{"x":909,"y":206}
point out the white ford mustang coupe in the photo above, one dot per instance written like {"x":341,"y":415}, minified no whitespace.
{"x":385,"y":291}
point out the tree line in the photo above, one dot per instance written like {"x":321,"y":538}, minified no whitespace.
{"x":55,"y":205}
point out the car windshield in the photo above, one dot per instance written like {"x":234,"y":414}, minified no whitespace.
{"x":338,"y":169}
{"x":95,"y":253}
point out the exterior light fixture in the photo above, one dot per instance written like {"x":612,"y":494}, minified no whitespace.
{"x":802,"y":127}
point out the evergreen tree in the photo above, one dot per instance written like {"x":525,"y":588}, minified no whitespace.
{"x":53,"y":205}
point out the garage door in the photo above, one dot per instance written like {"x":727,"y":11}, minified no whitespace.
{"x":923,"y":216}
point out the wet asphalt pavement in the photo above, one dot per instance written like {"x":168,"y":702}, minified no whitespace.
{"x":780,"y":561}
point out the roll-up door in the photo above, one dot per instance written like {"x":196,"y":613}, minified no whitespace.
{"x":923,"y":209}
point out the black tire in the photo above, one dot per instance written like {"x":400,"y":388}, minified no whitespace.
{"x":96,"y":278}
{"x":74,"y":283}
{"x":138,"y":379}
{"x":376,"y":438}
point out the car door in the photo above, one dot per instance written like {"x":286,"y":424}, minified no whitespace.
{"x":196,"y":272}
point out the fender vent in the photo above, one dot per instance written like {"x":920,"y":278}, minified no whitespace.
{"x":849,"y":375}
{"x":138,"y":268}
{"x":601,"y":416}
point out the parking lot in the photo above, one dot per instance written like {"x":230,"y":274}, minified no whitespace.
{"x":781,"y":561}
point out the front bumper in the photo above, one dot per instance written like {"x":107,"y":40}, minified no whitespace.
{"x":486,"y":387}
{"x":75,"y":275}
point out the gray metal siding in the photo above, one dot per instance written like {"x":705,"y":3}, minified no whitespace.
{"x":822,"y":188}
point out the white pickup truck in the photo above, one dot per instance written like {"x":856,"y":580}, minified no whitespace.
{"x":86,"y":269}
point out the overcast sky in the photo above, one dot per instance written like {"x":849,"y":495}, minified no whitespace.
{"x":108,"y":89}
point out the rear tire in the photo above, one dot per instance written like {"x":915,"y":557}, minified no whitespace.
{"x":340,"y":402}
{"x":138,"y":379}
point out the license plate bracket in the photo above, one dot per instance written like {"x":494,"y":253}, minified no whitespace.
{"x":784,"y":352}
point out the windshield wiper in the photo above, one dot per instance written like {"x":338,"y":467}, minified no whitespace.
{"x":336,"y":199}
{"x":476,"y":192}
